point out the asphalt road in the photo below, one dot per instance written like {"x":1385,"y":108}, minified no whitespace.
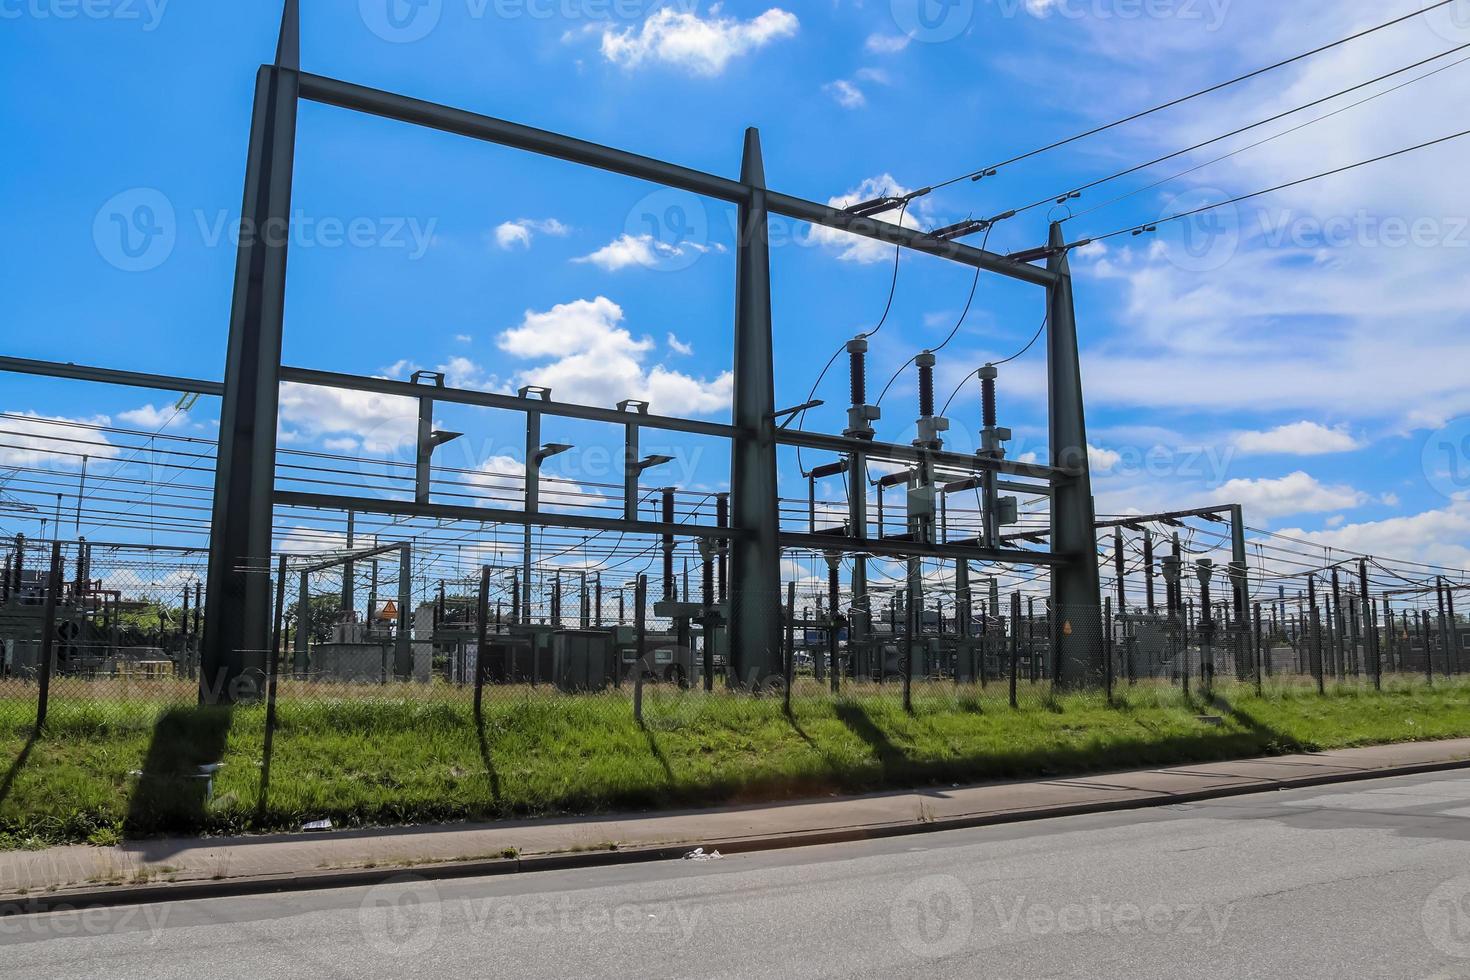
{"x":1359,"y":880}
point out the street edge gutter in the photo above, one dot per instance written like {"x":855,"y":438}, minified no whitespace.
{"x":117,"y":895}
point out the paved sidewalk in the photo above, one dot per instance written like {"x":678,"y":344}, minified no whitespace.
{"x":326,"y":859}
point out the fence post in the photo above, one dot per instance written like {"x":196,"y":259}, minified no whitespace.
{"x":1260,"y":653}
{"x":272,"y":661}
{"x":1423,"y":618}
{"x":48,"y":634}
{"x":1015,"y":642}
{"x":482,"y":622}
{"x":638,"y":692}
{"x":788,"y":663}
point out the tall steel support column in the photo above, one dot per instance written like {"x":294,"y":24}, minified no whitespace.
{"x":857,"y":507}
{"x":755,"y":560}
{"x":532,"y":505}
{"x":303,"y":625}
{"x":1148,"y":569}
{"x":237,"y":625}
{"x":349,"y":571}
{"x":1076,"y":624}
{"x":1238,"y":562}
{"x":402,"y":648}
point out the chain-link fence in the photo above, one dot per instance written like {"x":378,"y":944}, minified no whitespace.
{"x":122,"y":626}
{"x":393,"y":693}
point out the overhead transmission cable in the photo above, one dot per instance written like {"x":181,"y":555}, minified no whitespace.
{"x":876,"y":206}
{"x":1137,"y":230}
{"x":1269,"y":139}
{"x":1077,"y":192}
{"x":887,"y":308}
{"x":1016,"y":356}
{"x":974,"y":284}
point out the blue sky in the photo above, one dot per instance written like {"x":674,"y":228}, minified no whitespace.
{"x":1302,"y":354}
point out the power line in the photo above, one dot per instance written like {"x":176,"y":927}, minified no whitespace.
{"x":1016,"y":356}
{"x":1153,"y":226}
{"x":887,"y":308}
{"x":1077,"y":192}
{"x":1272,"y":138}
{"x":990,"y":170}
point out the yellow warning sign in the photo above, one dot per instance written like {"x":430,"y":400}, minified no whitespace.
{"x":389,"y":611}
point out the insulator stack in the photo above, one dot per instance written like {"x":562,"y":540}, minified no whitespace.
{"x":857,"y":352}
{"x":987,"y":394}
{"x":925,"y":361}
{"x":670,"y":586}
{"x":834,"y":586}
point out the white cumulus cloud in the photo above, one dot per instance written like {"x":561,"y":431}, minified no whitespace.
{"x":846,"y":94}
{"x":887,"y":43}
{"x":33,"y":440}
{"x":593,"y":359}
{"x":702,"y":46}
{"x":1296,"y":493}
{"x":1298,"y":439}
{"x":627,"y":251}
{"x":518,"y":234}
{"x":856,"y":248}
{"x":154,"y":417}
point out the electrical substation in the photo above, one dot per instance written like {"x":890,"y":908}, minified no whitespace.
{"x":931,"y":567}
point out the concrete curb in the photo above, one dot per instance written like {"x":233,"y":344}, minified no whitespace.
{"x":564,"y":861}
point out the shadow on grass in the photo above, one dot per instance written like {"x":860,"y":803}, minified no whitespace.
{"x":20,"y":761}
{"x":1275,"y":739}
{"x":490,"y":771}
{"x":890,"y":757}
{"x":658,"y":753}
{"x":170,"y":795}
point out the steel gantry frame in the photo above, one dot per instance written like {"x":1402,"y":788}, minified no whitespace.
{"x":237,"y":624}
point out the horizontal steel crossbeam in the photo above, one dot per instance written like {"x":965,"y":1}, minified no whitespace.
{"x":488,"y":515}
{"x":513,"y":403}
{"x":133,"y":379}
{"x":359,"y":98}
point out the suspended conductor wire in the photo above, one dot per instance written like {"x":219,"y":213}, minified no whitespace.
{"x":958,"y":323}
{"x":1258,"y":143}
{"x":887,"y":308}
{"x":1153,"y":226}
{"x":974,"y":284}
{"x":987,"y":171}
{"x":1076,"y":192}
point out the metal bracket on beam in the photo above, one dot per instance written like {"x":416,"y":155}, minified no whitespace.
{"x":790,"y":414}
